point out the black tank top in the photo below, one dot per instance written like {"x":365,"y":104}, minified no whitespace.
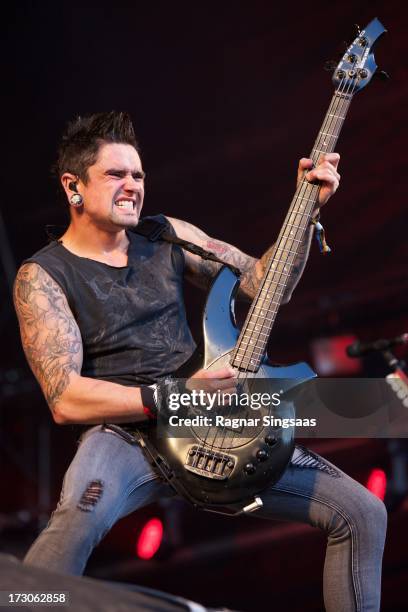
{"x":132,"y":318}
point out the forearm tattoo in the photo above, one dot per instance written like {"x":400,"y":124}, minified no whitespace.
{"x":49,"y":333}
{"x":202,"y":272}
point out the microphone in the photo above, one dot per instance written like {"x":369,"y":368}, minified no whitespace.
{"x":358,"y":349}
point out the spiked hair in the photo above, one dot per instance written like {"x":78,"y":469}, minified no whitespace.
{"x":84,"y":136}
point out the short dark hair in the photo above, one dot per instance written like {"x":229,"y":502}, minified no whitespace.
{"x":85,"y":135}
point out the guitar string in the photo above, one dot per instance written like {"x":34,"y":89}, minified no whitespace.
{"x":332,"y":112}
{"x":244,"y":375}
{"x":341,"y":103}
{"x":261,"y":301}
{"x":331,"y":118}
{"x":336,"y":102}
{"x":331,"y":127}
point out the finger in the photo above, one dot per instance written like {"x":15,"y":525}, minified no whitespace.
{"x":332,"y":158}
{"x":226,"y":372}
{"x":327,"y":166}
{"x":227,"y":384}
{"x":323,"y":173}
{"x":304,"y":164}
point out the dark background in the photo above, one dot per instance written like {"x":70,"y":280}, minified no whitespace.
{"x":225,"y":97}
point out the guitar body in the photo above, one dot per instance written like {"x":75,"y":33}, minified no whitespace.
{"x":212,"y":468}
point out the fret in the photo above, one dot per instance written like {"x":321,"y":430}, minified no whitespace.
{"x":261,"y":307}
{"x":251,"y":342}
{"x":303,"y":214}
{"x":265,"y":317}
{"x":318,"y":151}
{"x":291,"y":238}
{"x":267,"y":295}
{"x":299,"y":197}
{"x":337,"y":116}
{"x":250,"y":362}
{"x":265,"y":320}
{"x":263,"y":333}
{"x":297,"y":226}
{"x":287,"y":250}
{"x":328,"y":134}
{"x":276,"y":283}
{"x":265,"y":305}
{"x":250,"y":357}
{"x":267,"y":280}
{"x":279,"y":271}
{"x":246,"y":348}
{"x":259,"y":345}
{"x":254,"y":330}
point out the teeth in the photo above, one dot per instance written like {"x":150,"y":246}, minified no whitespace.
{"x":124,"y":204}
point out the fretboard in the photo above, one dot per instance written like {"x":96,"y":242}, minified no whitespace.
{"x":251,"y":345}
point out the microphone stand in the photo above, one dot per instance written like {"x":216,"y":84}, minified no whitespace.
{"x":397,"y":447}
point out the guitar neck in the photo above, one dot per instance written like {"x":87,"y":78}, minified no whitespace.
{"x":251,"y":345}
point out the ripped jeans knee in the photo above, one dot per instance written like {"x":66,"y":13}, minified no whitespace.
{"x":91,"y":495}
{"x":305,"y":458}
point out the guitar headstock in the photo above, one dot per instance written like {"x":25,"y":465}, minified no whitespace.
{"x":357,"y":66}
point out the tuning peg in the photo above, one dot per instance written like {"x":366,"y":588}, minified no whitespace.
{"x":381,"y":74}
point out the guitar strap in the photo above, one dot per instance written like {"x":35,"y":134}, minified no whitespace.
{"x":155,"y":230}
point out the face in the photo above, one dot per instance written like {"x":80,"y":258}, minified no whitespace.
{"x":113,"y":195}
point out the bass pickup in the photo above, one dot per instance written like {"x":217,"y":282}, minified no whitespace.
{"x":217,"y":466}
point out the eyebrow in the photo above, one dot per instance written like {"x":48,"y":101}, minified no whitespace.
{"x":135,"y":174}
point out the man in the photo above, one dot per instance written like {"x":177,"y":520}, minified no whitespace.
{"x":102,"y":317}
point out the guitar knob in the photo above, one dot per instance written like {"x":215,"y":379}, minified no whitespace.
{"x":262,"y":455}
{"x":250,"y":468}
{"x":270,"y":440}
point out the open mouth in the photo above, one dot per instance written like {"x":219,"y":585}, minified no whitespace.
{"x":128,"y":205}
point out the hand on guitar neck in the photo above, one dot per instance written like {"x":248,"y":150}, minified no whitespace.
{"x":325,"y":172}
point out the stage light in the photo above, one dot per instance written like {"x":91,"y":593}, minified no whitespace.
{"x":330,"y":357}
{"x":149,"y":539}
{"x":377,"y":483}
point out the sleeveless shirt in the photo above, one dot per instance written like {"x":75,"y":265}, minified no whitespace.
{"x":132,"y":318}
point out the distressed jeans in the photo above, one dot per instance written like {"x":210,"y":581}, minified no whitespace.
{"x":110,"y":478}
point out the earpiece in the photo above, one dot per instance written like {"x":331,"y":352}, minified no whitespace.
{"x":76,"y":199}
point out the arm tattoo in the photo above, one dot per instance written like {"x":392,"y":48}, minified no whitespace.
{"x":202,"y":272}
{"x":49,"y":333}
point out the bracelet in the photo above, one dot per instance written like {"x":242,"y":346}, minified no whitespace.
{"x":320,"y":235}
{"x":155,"y":397}
{"x":149,"y":401}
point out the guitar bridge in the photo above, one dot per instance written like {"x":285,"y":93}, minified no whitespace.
{"x":207,"y":463}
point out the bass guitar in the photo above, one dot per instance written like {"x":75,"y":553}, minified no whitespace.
{"x":219,"y":466}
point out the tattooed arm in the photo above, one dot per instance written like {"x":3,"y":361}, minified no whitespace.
{"x":201,"y":272}
{"x":53,"y":347}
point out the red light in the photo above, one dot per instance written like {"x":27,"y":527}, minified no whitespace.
{"x":377,"y":483}
{"x":149,"y":539}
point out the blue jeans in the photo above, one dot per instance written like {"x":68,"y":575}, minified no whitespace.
{"x":109,"y":478}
